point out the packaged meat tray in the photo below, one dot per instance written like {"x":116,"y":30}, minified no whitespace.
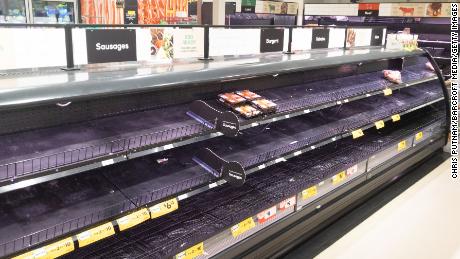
{"x":265,"y":105}
{"x":393,"y":76}
{"x":247,"y":111}
{"x":248,"y":95}
{"x":231,"y":99}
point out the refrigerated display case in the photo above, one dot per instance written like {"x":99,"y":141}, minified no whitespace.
{"x":38,"y":11}
{"x":13,"y":11}
{"x":126,"y":163}
{"x":60,"y":12}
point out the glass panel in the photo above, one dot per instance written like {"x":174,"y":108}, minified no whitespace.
{"x":12,"y":11}
{"x":53,"y":11}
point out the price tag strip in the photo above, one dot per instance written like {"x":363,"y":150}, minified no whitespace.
{"x":95,"y":234}
{"x":133,"y":219}
{"x":164,"y":208}
{"x":243,"y":227}
{"x":53,"y":250}
{"x":191,"y":252}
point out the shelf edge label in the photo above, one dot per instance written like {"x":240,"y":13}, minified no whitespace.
{"x":419,"y":136}
{"x":387,"y":92}
{"x":191,"y":252}
{"x":133,"y":219}
{"x":164,"y":208}
{"x":289,"y":202}
{"x":95,"y":234}
{"x":357,"y":133}
{"x":396,"y":117}
{"x":339,"y":177}
{"x":309,"y":192}
{"x":53,"y":250}
{"x":402,"y":145}
{"x":379,"y":124}
{"x":266,"y":215}
{"x":242,"y":227}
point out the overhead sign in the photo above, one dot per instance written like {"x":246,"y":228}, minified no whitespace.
{"x":320,"y":39}
{"x":368,"y":9}
{"x":274,"y":7}
{"x":248,"y":6}
{"x":271,"y":40}
{"x":106,"y":45}
{"x":130,"y":12}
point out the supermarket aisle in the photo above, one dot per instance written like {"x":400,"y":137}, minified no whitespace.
{"x":421,"y":222}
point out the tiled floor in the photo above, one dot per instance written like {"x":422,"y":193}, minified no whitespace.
{"x":422,"y":222}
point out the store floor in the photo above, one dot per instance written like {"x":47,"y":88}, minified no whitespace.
{"x":416,"y":217}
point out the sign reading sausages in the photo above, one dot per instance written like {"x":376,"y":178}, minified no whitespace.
{"x":106,"y":45}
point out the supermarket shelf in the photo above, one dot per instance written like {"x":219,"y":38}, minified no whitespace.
{"x":39,"y":88}
{"x":295,"y":100}
{"x":299,"y":137}
{"x":71,"y":149}
{"x":194,"y":223}
{"x":134,"y":179}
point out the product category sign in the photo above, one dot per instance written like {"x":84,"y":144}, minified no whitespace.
{"x":377,"y":37}
{"x":248,"y":6}
{"x":271,"y":40}
{"x":320,"y":38}
{"x":111,"y":45}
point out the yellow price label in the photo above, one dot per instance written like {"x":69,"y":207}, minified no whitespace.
{"x":379,"y":124}
{"x":357,"y":133}
{"x":419,"y":136}
{"x":133,"y":219}
{"x":339,"y":177}
{"x":95,"y":234}
{"x":309,"y":192}
{"x":387,"y":91}
{"x":395,"y":117}
{"x":402,"y":145}
{"x":242,"y":227}
{"x":191,"y":252}
{"x":164,"y":208}
{"x":53,"y":250}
